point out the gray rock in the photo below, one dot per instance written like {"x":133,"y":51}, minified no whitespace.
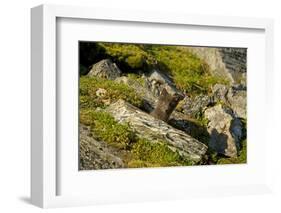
{"x":150,"y":91}
{"x":220,"y":93}
{"x":225,"y":130}
{"x":96,"y":154}
{"x":155,"y":130}
{"x":235,"y":97}
{"x":227,"y":63}
{"x":105,"y":69}
{"x":238,"y":102}
{"x":149,"y":99}
{"x":196,"y":105}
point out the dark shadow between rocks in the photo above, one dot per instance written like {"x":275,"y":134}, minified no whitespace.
{"x":191,"y":128}
{"x":218,"y":141}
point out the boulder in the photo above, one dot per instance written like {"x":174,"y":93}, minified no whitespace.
{"x":196,"y":105}
{"x":220,"y":92}
{"x":154,"y":130}
{"x":105,"y":69}
{"x":96,"y":154}
{"x":225,"y":130}
{"x":235,"y":97}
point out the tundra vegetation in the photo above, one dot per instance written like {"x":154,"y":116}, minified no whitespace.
{"x":198,"y":116}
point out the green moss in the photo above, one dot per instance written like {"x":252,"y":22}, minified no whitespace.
{"x":128,"y":56}
{"x":242,"y":156}
{"x":107,"y":129}
{"x":141,"y":164}
{"x":137,"y":78}
{"x":200,"y":119}
{"x":155,"y":154}
{"x":114,"y":91}
{"x":189,"y":72}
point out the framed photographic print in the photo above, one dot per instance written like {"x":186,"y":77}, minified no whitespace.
{"x":130,"y":106}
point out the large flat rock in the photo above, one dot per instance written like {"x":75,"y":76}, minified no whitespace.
{"x":155,"y":130}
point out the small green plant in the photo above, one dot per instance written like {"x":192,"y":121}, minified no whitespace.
{"x":201,"y":119}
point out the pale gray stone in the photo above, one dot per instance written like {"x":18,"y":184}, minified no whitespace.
{"x":155,"y":130}
{"x":235,"y":97}
{"x":225,"y":130}
{"x":105,"y":69}
{"x":96,"y":154}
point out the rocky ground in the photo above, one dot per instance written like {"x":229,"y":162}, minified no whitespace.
{"x":144,"y":119}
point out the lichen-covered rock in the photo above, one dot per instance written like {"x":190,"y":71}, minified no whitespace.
{"x":149,"y":99}
{"x":105,"y":69}
{"x":196,"y":105}
{"x":235,"y":97}
{"x":155,"y":130}
{"x":97,"y":154}
{"x":220,"y":92}
{"x":225,"y":130}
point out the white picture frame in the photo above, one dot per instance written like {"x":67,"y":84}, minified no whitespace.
{"x":44,"y":149}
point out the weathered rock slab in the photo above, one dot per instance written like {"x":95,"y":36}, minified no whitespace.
{"x":225,"y":130}
{"x":105,"y":69}
{"x":155,"y":130}
{"x":96,"y":154}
